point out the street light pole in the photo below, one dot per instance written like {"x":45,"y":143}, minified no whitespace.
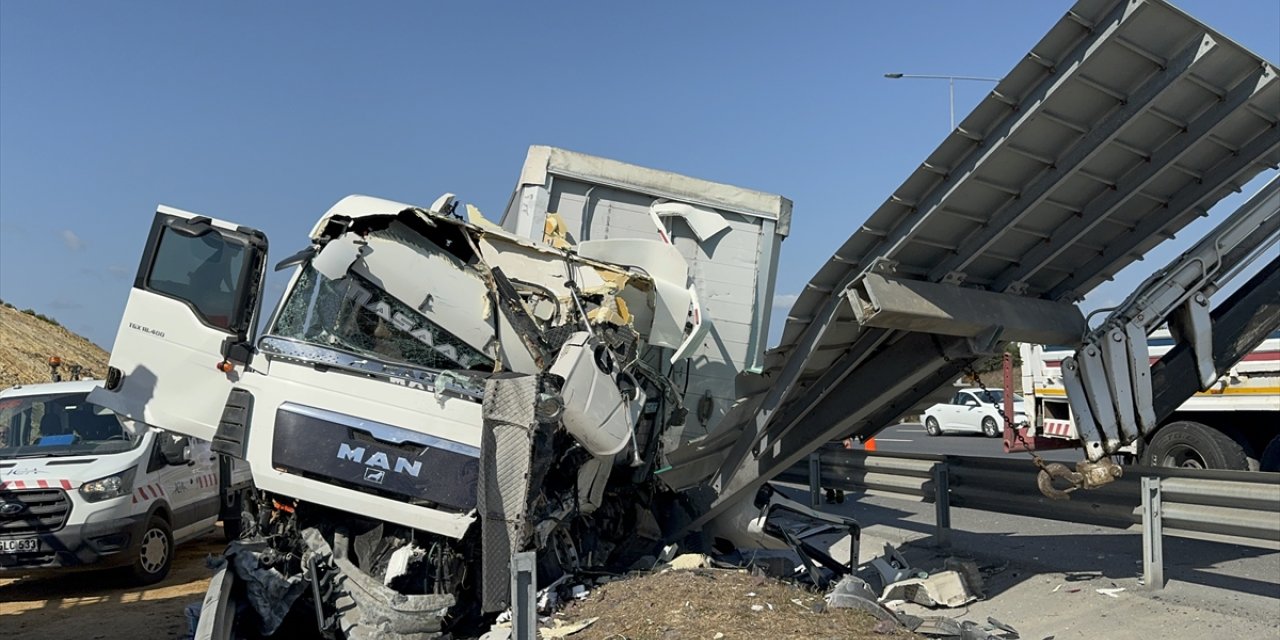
{"x":951,"y":86}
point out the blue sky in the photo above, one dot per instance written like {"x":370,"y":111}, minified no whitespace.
{"x":267,"y":113}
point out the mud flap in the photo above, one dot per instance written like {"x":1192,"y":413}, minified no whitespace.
{"x":506,"y":455}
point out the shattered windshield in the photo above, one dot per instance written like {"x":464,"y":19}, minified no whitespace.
{"x":354,"y":315}
{"x":63,"y":424}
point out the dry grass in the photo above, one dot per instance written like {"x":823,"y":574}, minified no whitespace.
{"x":26,"y":342}
{"x":700,"y":603}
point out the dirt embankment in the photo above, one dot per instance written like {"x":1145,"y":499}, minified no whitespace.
{"x":27,"y":341}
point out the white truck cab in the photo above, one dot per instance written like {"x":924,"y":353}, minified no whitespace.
{"x":80,"y":487}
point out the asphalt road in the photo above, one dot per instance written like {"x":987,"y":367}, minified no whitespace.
{"x":1043,"y":576}
{"x":911,"y":438}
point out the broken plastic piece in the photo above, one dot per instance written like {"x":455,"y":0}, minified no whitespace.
{"x":892,"y":566}
{"x":939,"y":626}
{"x":595,"y":413}
{"x":854,"y":593}
{"x":944,"y":588}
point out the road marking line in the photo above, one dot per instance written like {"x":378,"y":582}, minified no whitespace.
{"x":892,"y":440}
{"x":911,"y":430}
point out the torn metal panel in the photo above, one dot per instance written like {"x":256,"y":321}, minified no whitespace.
{"x":601,"y":199}
{"x":434,"y":282}
{"x":670,"y":274}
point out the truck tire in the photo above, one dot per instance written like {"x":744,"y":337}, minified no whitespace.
{"x":155,"y":553}
{"x":1196,"y":446}
{"x":1270,"y":460}
{"x":931,"y":426}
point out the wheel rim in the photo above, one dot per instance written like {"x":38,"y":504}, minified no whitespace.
{"x":1184,"y":457}
{"x":989,"y":426}
{"x":154,"y":551}
{"x":931,"y":425}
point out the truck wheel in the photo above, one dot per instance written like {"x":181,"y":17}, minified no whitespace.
{"x":931,"y":426}
{"x":155,"y":553}
{"x":989,"y":428}
{"x":1271,"y":456}
{"x":1195,"y":446}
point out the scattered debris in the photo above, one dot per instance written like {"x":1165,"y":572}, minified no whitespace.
{"x":944,"y":588}
{"x":969,"y":574}
{"x":560,"y":628}
{"x":892,"y":567}
{"x":1110,"y":592}
{"x":885,"y":627}
{"x":668,"y":553}
{"x":938,"y":626}
{"x":854,"y":593}
{"x":1002,"y":626}
{"x":690,"y":561}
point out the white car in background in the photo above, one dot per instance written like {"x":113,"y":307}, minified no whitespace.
{"x":973,"y":410}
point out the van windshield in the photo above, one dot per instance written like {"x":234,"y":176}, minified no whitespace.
{"x":63,"y":424}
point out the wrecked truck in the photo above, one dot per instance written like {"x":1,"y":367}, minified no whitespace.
{"x":435,"y":392}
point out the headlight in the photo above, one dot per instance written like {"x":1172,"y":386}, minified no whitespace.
{"x":112,"y":486}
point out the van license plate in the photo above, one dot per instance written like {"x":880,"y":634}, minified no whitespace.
{"x":20,"y":545}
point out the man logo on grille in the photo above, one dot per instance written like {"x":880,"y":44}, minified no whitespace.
{"x":12,"y":508}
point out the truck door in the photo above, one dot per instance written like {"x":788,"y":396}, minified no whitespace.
{"x":187,"y":330}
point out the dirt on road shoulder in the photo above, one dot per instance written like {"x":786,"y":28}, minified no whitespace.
{"x":714,"y":603}
{"x":101,"y":605}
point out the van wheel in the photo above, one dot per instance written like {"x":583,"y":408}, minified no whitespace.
{"x":155,"y":553}
{"x":1192,"y":445}
{"x":931,"y":426}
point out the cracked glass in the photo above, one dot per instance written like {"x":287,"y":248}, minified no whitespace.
{"x":352,"y":314}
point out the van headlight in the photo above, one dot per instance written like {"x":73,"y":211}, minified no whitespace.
{"x":112,"y":486}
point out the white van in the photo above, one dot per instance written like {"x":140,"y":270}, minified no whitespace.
{"x":79,"y":487}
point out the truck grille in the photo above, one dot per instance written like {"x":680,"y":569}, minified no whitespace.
{"x":43,"y":510}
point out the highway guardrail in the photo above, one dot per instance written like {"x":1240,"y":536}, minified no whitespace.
{"x":1238,"y":507}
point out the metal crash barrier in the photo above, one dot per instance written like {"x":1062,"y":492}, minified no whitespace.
{"x":1236,"y":507}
